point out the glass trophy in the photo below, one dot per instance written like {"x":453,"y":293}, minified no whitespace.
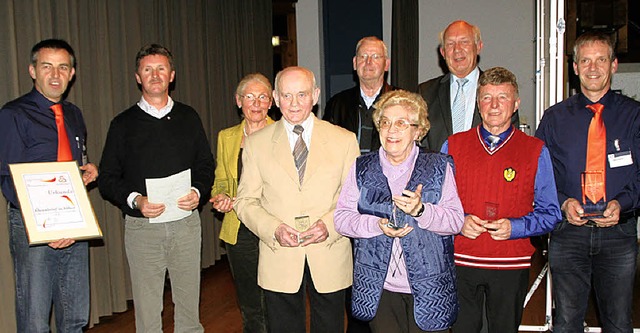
{"x":397,"y":218}
{"x":302,"y":223}
{"x":593,"y":186}
{"x":221,"y":186}
{"x":226,"y":186}
{"x":491,"y":211}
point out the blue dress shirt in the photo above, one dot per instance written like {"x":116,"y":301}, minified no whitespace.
{"x":28,"y":133}
{"x":564,"y":129}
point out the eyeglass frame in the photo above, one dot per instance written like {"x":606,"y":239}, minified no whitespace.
{"x":405,"y":124}
{"x":374,"y":57}
{"x":251,"y":98}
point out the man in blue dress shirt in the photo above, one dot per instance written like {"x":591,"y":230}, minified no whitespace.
{"x":56,"y":274}
{"x":598,"y":252}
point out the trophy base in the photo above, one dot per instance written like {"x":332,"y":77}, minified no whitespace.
{"x":593,"y":211}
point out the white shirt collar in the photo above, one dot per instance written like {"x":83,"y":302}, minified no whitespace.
{"x":307,"y":124}
{"x":152,"y":111}
{"x":368,"y":101}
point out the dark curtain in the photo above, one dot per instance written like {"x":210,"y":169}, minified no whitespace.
{"x":404,"y":46}
{"x":214,"y":43}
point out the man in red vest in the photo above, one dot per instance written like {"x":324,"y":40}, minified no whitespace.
{"x":506,"y":185}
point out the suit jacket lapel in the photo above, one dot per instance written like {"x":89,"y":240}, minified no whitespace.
{"x":476,"y":113}
{"x":317,"y":148}
{"x":445,"y":102}
{"x":282,"y":151}
{"x":233,"y":139}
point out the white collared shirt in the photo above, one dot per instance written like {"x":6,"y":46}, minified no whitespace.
{"x":469,"y":95}
{"x":307,"y":124}
{"x":152,"y":111}
{"x":368,"y":101}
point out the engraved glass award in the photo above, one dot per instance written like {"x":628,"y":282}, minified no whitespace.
{"x":594,"y":198}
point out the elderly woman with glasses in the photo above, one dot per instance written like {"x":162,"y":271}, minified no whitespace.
{"x":401,"y":207}
{"x":253,"y":97}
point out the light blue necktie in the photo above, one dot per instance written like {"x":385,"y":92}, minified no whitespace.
{"x":458,"y":107}
{"x":493,"y":141}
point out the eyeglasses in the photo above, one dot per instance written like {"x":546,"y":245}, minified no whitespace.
{"x":400,"y":124}
{"x":252,"y":98}
{"x":373,"y":57}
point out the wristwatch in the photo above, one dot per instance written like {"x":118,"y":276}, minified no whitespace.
{"x":420,"y":211}
{"x":134,"y":203}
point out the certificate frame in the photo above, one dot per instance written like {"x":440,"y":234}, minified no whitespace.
{"x":54,"y":202}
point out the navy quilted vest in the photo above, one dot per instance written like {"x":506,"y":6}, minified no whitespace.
{"x":428,"y":256}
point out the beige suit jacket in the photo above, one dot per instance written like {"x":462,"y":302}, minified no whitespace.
{"x":270,"y":193}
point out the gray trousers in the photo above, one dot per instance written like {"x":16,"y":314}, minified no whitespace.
{"x":152,"y":250}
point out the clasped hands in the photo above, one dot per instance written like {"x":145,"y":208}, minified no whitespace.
{"x":222,"y":203}
{"x":474,"y":226}
{"x":573,"y":211}
{"x":288,"y":236}
{"x":410,"y":203}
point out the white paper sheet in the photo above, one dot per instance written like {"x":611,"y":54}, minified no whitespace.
{"x":167,"y":191}
{"x":54,"y":202}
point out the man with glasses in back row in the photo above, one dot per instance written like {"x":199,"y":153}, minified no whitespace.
{"x":352,"y":109}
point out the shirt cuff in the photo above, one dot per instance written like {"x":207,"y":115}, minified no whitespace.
{"x":197,"y":192}
{"x":131,"y":197}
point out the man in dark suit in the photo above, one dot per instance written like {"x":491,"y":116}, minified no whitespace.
{"x":452,"y":108}
{"x":353,"y":108}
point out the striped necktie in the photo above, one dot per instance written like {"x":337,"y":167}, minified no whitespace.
{"x":458,"y":107}
{"x":493,"y":141}
{"x":300,"y":152}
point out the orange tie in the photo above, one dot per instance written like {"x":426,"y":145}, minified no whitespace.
{"x":597,"y":150}
{"x":64,"y":148}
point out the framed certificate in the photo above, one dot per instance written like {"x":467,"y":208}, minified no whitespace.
{"x":54,"y":202}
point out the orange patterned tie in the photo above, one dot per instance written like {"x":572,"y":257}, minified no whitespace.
{"x":64,"y":148}
{"x":597,"y":150}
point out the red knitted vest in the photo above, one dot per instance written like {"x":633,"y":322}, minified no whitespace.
{"x":501,"y":184}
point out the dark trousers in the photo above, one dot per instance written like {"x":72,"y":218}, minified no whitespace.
{"x":243,"y":261}
{"x":503,"y":293}
{"x":286,"y":312}
{"x":606,"y":257}
{"x":395,"y":314}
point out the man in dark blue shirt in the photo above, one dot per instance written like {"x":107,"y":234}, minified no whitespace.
{"x":58,"y":273}
{"x":594,"y":250}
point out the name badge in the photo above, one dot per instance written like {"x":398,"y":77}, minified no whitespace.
{"x":620,"y":159}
